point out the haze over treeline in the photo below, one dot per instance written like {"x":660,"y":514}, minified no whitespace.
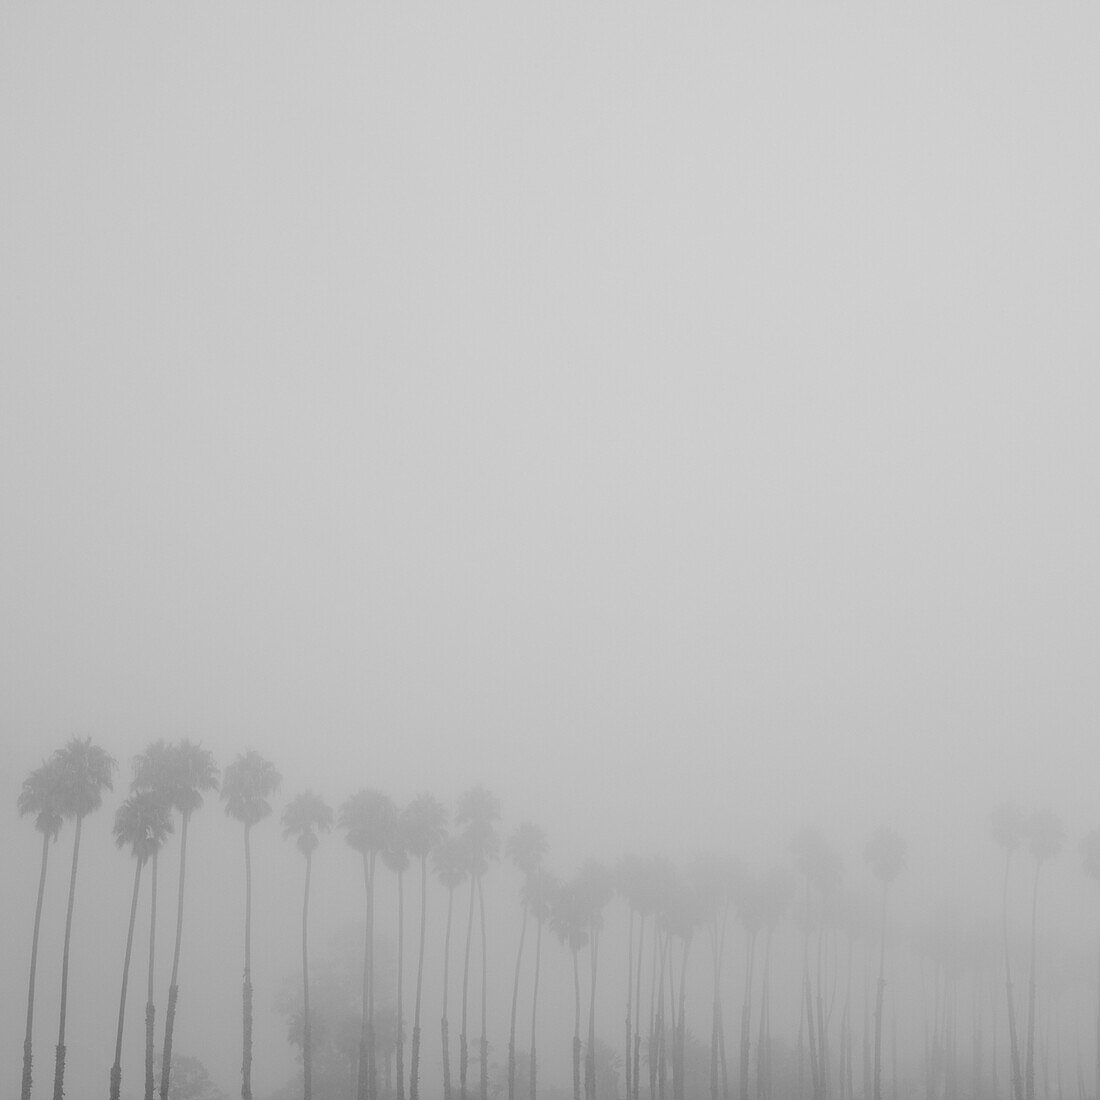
{"x":680,"y":424}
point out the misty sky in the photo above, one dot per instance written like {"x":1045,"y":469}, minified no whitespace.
{"x":683,"y":423}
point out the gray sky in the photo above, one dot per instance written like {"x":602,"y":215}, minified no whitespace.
{"x":683,"y":423}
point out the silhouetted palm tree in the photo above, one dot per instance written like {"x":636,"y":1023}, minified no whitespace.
{"x":1008,"y":825}
{"x":748,"y":899}
{"x":1045,"y":836}
{"x":248,"y":784}
{"x":40,"y":796}
{"x":477,"y":812}
{"x":423,"y":824}
{"x":396,"y":857}
{"x":86,"y":771}
{"x":538,"y":890}
{"x":142,"y":822}
{"x":886,"y":855}
{"x":594,"y":885}
{"x":190,"y":772}
{"x":450,"y":866}
{"x":369,"y":818}
{"x":304,"y":818}
{"x":568,"y":921}
{"x":152,"y":774}
{"x":1090,"y":861}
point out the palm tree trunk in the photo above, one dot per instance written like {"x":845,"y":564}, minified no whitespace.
{"x":150,"y":1010}
{"x":400,"y":985}
{"x":746,"y":1014}
{"x":515,"y":1002}
{"x":653,"y":983}
{"x":372,"y":1050}
{"x":535,"y":1004}
{"x":681,"y":1025}
{"x":307,"y":1037}
{"x":246,"y":989}
{"x":446,"y":978}
{"x":173,"y":987}
{"x":463,"y":1049}
{"x":1098,"y":1028}
{"x":363,"y":1074}
{"x":576,"y":1027}
{"x":627,"y":1067}
{"x":25,"y":1092}
{"x":484,"y":995}
{"x":638,"y":1010}
{"x":879,"y":996}
{"x":1030,"y":1072}
{"x":590,"y":1053}
{"x":1013,"y":1038}
{"x":763,"y":1042}
{"x":116,"y":1069}
{"x":414,"y":1071}
{"x":59,"y":1061}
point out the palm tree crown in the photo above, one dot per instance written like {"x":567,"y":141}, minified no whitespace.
{"x":423,"y":823}
{"x":305,"y":817}
{"x":249,"y":782}
{"x":85,"y":772}
{"x":185,"y":770}
{"x":1045,"y":835}
{"x":142,"y":822}
{"x":41,"y":795}
{"x":886,"y":854}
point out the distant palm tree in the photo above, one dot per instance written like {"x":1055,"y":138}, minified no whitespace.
{"x":1090,"y":861}
{"x":86,"y":771}
{"x":595,"y":886}
{"x":749,"y":901}
{"x":451,"y":868}
{"x":538,"y":890}
{"x":152,"y":774}
{"x":568,"y":921}
{"x":190,"y":771}
{"x":885,"y":852}
{"x":526,"y":848}
{"x":248,"y":784}
{"x":369,"y":818}
{"x":142,"y":822}
{"x":40,"y":796}
{"x":477,"y":813}
{"x":1008,"y":825}
{"x":1045,"y":836}
{"x":423,"y":824}
{"x":396,"y":857}
{"x":776,"y":890}
{"x":304,"y":818}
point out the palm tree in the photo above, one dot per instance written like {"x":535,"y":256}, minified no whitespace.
{"x":748,"y":897}
{"x":40,"y":796}
{"x":594,"y":884}
{"x":451,"y":867}
{"x":190,"y":770}
{"x":86,"y":771}
{"x":369,"y":818}
{"x":143,"y":822}
{"x":248,"y":784}
{"x":1045,"y":836}
{"x":306,"y":815}
{"x":776,"y":890}
{"x":423,"y":824}
{"x":396,"y":857}
{"x":1090,"y":860}
{"x":568,"y":921}
{"x":885,"y":852}
{"x":1008,"y":825}
{"x":152,"y":775}
{"x":477,"y":813}
{"x":526,"y":848}
{"x":538,"y":892}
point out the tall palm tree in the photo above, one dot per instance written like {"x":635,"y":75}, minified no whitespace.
{"x":538,"y":890}
{"x":396,"y":857}
{"x":306,"y":816}
{"x":595,"y":887}
{"x":1090,"y":861}
{"x":776,"y":890}
{"x":248,"y":784}
{"x":1008,"y":825}
{"x":86,"y":771}
{"x":477,"y":812}
{"x":152,"y":774}
{"x":142,"y":822}
{"x":1045,"y":836}
{"x":885,"y":852}
{"x":568,"y":921}
{"x":369,"y":819}
{"x":451,"y":867}
{"x":190,"y":772}
{"x":749,"y":901}
{"x":423,"y":824}
{"x":526,"y":848}
{"x":40,"y":796}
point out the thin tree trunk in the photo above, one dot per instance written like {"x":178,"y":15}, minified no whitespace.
{"x":307,"y":1036}
{"x":446,"y":983}
{"x":173,"y":986}
{"x":463,"y":1049}
{"x":590,"y":1053}
{"x":246,"y":989}
{"x":414,"y":1071}
{"x":150,"y":1010}
{"x":363,"y":1075}
{"x":1030,"y":1072}
{"x":1013,"y":1039}
{"x":637,"y":1053}
{"x":627,"y":1058}
{"x":763,"y":1051}
{"x":484,"y":995}
{"x":534,"y":1005}
{"x":515,"y":1003}
{"x":59,"y":1061}
{"x":746,"y":1014}
{"x":400,"y":985}
{"x":372,"y":1045}
{"x":576,"y":1027}
{"x":25,"y":1092}
{"x":879,"y":997}
{"x":116,"y":1069}
{"x":681,"y":1026}
{"x":653,"y":986}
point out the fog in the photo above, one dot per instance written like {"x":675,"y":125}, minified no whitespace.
{"x":680,"y":424}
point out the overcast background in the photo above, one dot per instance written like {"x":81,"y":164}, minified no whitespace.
{"x":683,"y":423}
